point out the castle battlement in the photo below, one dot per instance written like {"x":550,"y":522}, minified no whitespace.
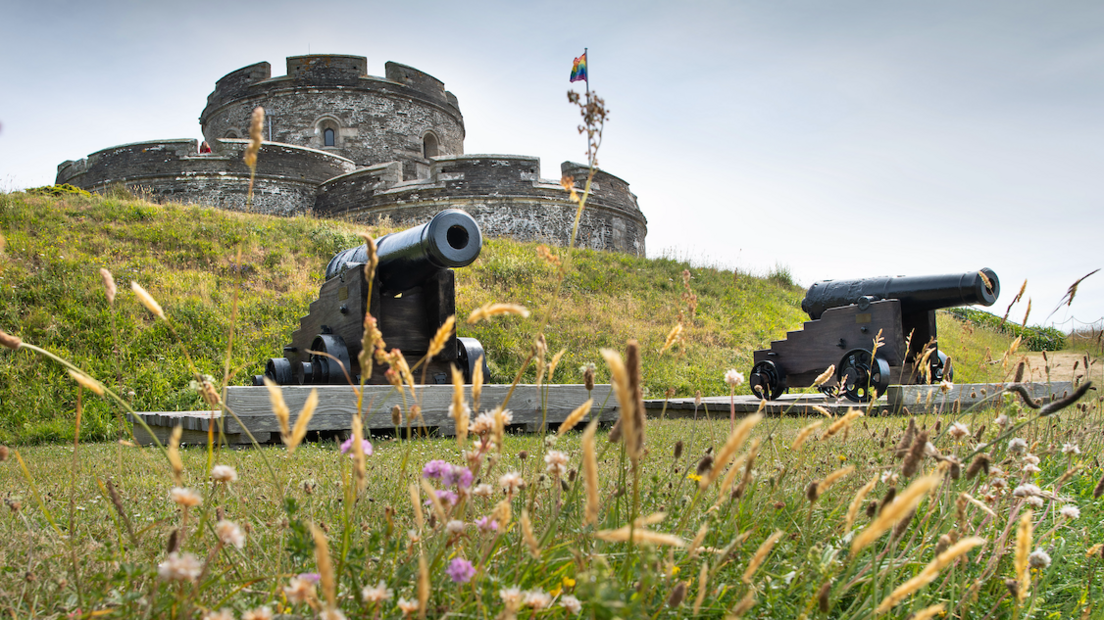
{"x":341,"y":142}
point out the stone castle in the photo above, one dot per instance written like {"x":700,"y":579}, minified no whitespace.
{"x":342,"y":143}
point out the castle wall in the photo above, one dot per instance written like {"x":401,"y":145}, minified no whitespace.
{"x":504,"y":193}
{"x":376,"y":120}
{"x":286,"y":181}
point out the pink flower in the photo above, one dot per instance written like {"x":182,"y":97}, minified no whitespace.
{"x":347,"y":447}
{"x":460,"y":570}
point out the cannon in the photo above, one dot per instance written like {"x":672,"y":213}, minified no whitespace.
{"x":411,"y":295}
{"x":845,"y":318}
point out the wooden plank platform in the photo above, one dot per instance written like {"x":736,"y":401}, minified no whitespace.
{"x":336,"y":405}
{"x":918,"y":398}
{"x":796,"y":404}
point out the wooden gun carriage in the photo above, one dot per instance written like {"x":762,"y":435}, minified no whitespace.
{"x":846,"y":317}
{"x":412,"y":294}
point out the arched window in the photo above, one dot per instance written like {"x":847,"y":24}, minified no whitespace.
{"x":231,"y":133}
{"x":328,"y":137}
{"x":429,"y":146}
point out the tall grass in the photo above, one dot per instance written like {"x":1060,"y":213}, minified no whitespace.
{"x":982,"y":513}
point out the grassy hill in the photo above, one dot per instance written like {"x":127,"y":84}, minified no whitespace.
{"x":187,"y":257}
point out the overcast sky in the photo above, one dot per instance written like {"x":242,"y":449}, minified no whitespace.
{"x":835,"y":139}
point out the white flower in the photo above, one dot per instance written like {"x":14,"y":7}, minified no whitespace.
{"x":511,"y":481}
{"x":1070,"y":449}
{"x":483,"y":490}
{"x":223,"y":473}
{"x":185,"y":497}
{"x":299,"y":591}
{"x":557,"y":462}
{"x":1070,"y":511}
{"x":537,"y":599}
{"x":998,"y":483}
{"x":571,"y":604}
{"x":483,"y":424}
{"x":179,"y":567}
{"x":455,"y":527}
{"x":1025,"y":490}
{"x":1017,"y":445}
{"x":223,"y":614}
{"x":377,"y":594}
{"x":512,"y":597}
{"x":1038,"y":559}
{"x":958,"y":430}
{"x":407,"y":607}
{"x":230,"y":534}
{"x":260,"y":613}
{"x":1034,"y":501}
{"x":1031,"y":458}
{"x":1031,"y":468}
{"x":945,"y":386}
{"x":1002,"y":420}
{"x":734,"y":377}
{"x":331,"y":614}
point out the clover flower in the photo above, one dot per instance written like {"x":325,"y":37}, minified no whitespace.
{"x":460,"y":570}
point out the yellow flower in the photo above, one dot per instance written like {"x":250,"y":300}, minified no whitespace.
{"x":568,"y":582}
{"x":675,"y":570}
{"x":842,"y":458}
{"x":556,"y":591}
{"x":693,"y":477}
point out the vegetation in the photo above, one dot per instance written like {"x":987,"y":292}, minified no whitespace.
{"x":1036,"y":338}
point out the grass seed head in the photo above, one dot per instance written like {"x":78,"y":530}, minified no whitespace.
{"x":823,"y":377}
{"x":87,"y":382}
{"x":299,"y":431}
{"x":590,"y":473}
{"x":444,"y":332}
{"x":856,"y":502}
{"x":803,"y":435}
{"x":678,"y":594}
{"x":895,"y":511}
{"x":735,"y":440}
{"x":823,"y":602}
{"x":760,"y":556}
{"x":1023,"y":554}
{"x":528,"y":536}
{"x":492,"y":309}
{"x":256,"y":135}
{"x":147,"y":300}
{"x":109,"y":285}
{"x":10,"y":341}
{"x":635,"y":442}
{"x":575,"y":417}
{"x":915,"y":455}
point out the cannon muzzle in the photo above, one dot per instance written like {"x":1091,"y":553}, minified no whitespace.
{"x":407,"y":258}
{"x":916,"y":294}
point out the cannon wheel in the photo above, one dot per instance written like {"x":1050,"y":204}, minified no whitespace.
{"x":941,"y":368}
{"x":861,"y":378}
{"x":767,"y":379}
{"x":327,"y":370}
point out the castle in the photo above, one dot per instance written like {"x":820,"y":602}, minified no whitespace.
{"x":342,"y":143}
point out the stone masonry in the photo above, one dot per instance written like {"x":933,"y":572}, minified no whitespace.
{"x":340,"y":142}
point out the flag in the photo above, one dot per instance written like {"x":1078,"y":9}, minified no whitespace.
{"x":578,"y":70}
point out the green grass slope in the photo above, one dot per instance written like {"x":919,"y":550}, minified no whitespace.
{"x":187,"y":257}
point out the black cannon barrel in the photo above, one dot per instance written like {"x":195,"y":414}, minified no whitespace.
{"x":451,"y":239}
{"x":916,"y":293}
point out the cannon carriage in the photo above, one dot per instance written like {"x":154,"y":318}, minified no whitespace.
{"x":411,"y":296}
{"x":846,"y":316}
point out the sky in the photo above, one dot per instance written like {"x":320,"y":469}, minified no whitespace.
{"x":843,"y":139}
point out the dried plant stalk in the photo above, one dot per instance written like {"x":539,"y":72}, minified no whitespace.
{"x":590,"y":473}
{"x":901,"y":506}
{"x":735,"y":440}
{"x":760,"y":556}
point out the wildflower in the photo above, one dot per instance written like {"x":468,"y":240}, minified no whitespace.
{"x":230,"y":534}
{"x":455,"y":527}
{"x":1070,"y":449}
{"x":571,"y":604}
{"x":185,"y":497}
{"x":486,"y":524}
{"x":1002,"y":420}
{"x":1025,"y":490}
{"x":260,"y":613}
{"x":1034,"y":501}
{"x":436,"y":469}
{"x":331,"y":614}
{"x":223,"y":614}
{"x":458,"y":475}
{"x":512,"y":597}
{"x":483,"y":490}
{"x":1038,"y":559}
{"x":1070,"y":511}
{"x":557,"y":462}
{"x":460,"y":570}
{"x":733,"y":378}
{"x":511,"y":482}
{"x":223,"y":473}
{"x":483,"y":424}
{"x":1017,"y":445}
{"x":945,"y":386}
{"x":407,"y":607}
{"x":958,"y":430}
{"x":537,"y":599}
{"x":347,"y":447}
{"x":1031,"y":468}
{"x":1031,"y":458}
{"x":179,"y":567}
{"x":446,"y":497}
{"x":377,"y":594}
{"x":299,"y":590}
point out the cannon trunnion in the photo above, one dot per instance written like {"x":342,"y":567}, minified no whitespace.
{"x":411,"y":296}
{"x":847,"y":315}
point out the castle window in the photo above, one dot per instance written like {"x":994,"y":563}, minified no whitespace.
{"x":328,"y":137}
{"x":429,"y":146}
{"x":231,"y":133}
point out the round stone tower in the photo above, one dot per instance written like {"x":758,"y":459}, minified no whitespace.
{"x":329,"y":102}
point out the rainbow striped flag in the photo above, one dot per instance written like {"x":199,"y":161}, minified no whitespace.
{"x":578,"y":70}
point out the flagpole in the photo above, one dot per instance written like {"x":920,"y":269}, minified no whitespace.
{"x":586,"y":55}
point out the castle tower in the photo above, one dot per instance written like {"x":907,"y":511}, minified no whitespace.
{"x":330,"y":103}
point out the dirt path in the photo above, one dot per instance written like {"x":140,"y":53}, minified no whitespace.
{"x":1061,"y":366}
